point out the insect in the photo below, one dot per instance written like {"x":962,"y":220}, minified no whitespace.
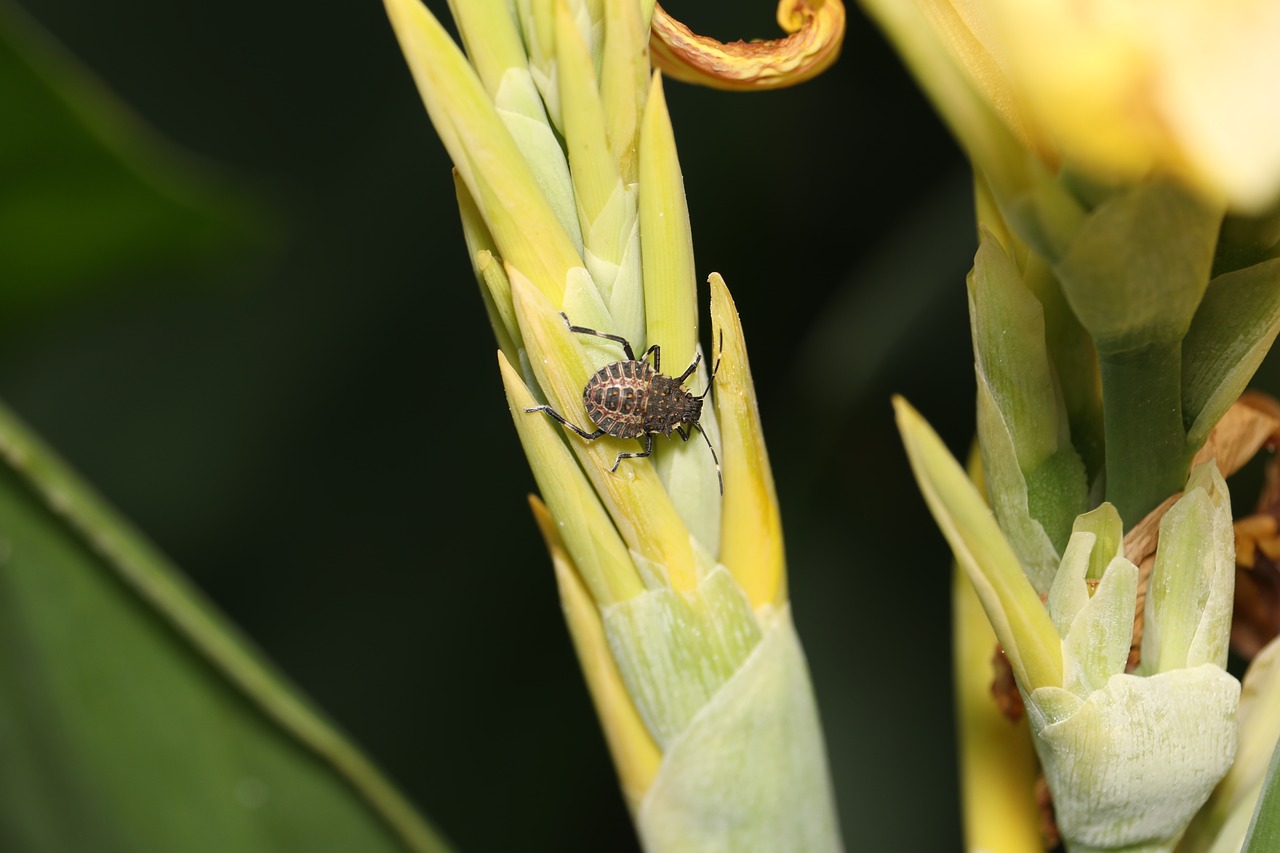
{"x":631,"y":399}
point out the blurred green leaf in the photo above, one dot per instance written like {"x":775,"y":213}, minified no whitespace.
{"x":1136,"y":271}
{"x":1264,"y":833}
{"x":89,"y":195}
{"x":133,"y":717}
{"x":1231,"y":333}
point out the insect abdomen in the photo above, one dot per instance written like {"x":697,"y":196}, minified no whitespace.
{"x":616,"y":397}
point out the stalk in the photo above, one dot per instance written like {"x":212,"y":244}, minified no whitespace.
{"x":1147,"y":457}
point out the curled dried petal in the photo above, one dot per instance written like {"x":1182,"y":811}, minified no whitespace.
{"x":1251,"y":423}
{"x":816,"y":30}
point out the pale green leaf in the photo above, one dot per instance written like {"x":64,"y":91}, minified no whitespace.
{"x":749,"y":774}
{"x":1014,"y":373}
{"x":675,"y":650}
{"x":1131,"y":764}
{"x":1187,"y":617}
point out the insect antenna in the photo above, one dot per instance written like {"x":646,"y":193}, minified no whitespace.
{"x":707,"y":390}
{"x":716,"y":459}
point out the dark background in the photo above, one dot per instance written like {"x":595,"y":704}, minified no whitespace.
{"x":316,"y":431}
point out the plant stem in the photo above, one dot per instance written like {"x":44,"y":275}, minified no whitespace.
{"x":1146,"y":442}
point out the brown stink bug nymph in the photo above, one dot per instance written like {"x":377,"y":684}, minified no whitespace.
{"x":631,"y":399}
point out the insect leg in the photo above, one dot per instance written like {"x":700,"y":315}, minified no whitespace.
{"x":657,"y":357}
{"x":648,"y":448}
{"x":714,"y":458}
{"x":617,"y":339}
{"x":689,"y":370}
{"x":589,"y":436}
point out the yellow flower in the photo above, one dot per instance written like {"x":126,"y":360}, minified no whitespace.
{"x":1115,"y":89}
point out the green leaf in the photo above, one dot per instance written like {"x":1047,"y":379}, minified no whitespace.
{"x":1264,"y":832}
{"x":90,"y":196}
{"x":1075,"y":363}
{"x":1247,"y":240}
{"x":1097,"y":645}
{"x":1134,"y":275}
{"x":1011,"y":603}
{"x":1136,"y":271}
{"x":1187,"y":615}
{"x":1104,"y":523}
{"x":1035,"y":477}
{"x":1232,"y":331}
{"x":133,"y":717}
{"x":1008,"y":341}
{"x":1008,"y":492}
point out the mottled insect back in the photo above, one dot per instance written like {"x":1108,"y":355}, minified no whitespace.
{"x":632,"y":399}
{"x":615,"y":397}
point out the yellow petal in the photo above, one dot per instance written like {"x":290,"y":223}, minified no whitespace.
{"x":956,"y":68}
{"x":666,"y":243}
{"x":751,"y":529}
{"x":961,"y":27}
{"x":997,"y":767}
{"x":516,"y":211}
{"x":1125,"y":88}
{"x":635,"y":755}
{"x":624,"y":80}
{"x":582,"y":114}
